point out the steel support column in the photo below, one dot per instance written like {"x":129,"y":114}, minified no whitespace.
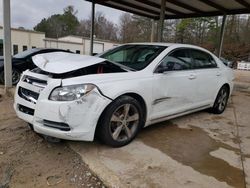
{"x":152,"y":38}
{"x":7,"y":44}
{"x":161,"y":21}
{"x":92,"y":28}
{"x":222,"y":32}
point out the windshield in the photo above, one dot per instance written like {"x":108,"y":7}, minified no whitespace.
{"x":136,"y":57}
{"x":26,"y":53}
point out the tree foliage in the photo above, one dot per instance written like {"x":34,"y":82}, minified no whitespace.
{"x":134,"y":28}
{"x":59,"y":25}
{"x":203,"y":31}
{"x":104,"y":29}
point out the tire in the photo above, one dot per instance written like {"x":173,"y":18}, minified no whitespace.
{"x":16,"y":75}
{"x":120,"y":122}
{"x":221,"y":100}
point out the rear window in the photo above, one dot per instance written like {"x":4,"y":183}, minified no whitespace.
{"x":202,"y":59}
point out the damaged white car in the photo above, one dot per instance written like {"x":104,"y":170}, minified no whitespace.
{"x":113,"y":96}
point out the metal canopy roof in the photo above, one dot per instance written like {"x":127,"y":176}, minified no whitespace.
{"x":179,"y":8}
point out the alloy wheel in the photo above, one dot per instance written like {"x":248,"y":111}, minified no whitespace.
{"x":222,"y":101}
{"x":124,"y":122}
{"x":15,"y":76}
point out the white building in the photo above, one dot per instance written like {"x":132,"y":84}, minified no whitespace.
{"x":78,"y":44}
{"x":23,"y":40}
{"x":243,"y":65}
{"x":26,"y":39}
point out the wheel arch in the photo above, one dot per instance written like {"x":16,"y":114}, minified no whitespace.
{"x":227,"y":85}
{"x":136,"y":96}
{"x":142,"y":102}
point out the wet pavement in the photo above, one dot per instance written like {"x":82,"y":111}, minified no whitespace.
{"x":196,"y":150}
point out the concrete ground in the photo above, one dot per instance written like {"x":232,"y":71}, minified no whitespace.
{"x":27,"y":160}
{"x":197,"y":150}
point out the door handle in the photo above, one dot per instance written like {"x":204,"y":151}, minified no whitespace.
{"x":192,"y":76}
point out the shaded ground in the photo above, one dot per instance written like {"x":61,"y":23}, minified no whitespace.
{"x":27,"y":160}
{"x":196,"y":150}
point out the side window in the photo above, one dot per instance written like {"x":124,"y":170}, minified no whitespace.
{"x":176,"y":60}
{"x":15,"y":49}
{"x":202,"y":59}
{"x":25,"y":48}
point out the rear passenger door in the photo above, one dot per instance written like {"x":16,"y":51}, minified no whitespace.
{"x":207,"y":75}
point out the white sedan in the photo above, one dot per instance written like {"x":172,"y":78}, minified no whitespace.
{"x":113,"y":96}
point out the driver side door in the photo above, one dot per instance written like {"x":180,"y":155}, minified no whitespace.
{"x":174,"y":85}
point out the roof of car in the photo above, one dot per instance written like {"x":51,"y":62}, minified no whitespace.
{"x":162,"y":44}
{"x":50,"y":49}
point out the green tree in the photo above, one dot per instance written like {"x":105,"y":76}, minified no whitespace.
{"x":59,"y":25}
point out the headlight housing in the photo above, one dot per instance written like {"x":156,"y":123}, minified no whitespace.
{"x":70,"y":93}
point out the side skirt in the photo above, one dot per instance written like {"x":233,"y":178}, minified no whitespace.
{"x":164,"y":118}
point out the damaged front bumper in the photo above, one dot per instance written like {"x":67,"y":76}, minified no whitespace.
{"x":71,"y":120}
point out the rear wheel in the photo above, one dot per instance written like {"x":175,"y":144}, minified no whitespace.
{"x":121,"y":122}
{"x":221,"y":100}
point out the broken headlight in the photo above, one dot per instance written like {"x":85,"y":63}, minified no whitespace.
{"x":70,"y":93}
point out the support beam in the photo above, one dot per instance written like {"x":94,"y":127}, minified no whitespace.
{"x":134,"y":6}
{"x":186,"y":6}
{"x":161,"y":21}
{"x":244,"y":3}
{"x":116,"y":6}
{"x":7,"y":44}
{"x":92,"y":32}
{"x":152,"y":39}
{"x":208,"y":14}
{"x":156,"y":5}
{"x":222,"y":32}
{"x":214,"y":5}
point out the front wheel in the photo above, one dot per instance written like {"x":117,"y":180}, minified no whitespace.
{"x":121,"y":122}
{"x":221,"y":100}
{"x":16,"y":75}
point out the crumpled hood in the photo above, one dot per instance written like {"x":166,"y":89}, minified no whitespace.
{"x":62,"y":62}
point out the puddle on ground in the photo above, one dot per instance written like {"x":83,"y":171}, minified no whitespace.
{"x":191,"y":147}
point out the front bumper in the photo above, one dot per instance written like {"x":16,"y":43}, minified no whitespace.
{"x":80,"y":117}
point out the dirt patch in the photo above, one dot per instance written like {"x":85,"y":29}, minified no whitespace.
{"x":27,"y":160}
{"x":191,"y":147}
